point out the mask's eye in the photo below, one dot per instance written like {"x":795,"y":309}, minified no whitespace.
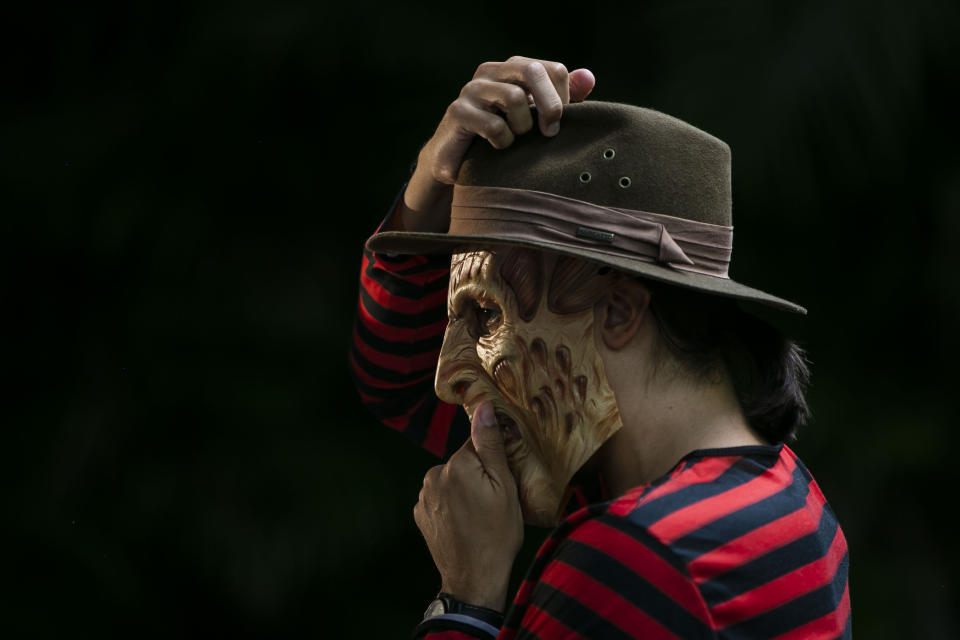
{"x":489,"y":316}
{"x":478,"y":310}
{"x":486,"y":317}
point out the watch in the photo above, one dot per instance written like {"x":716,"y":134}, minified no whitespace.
{"x":445,"y":603}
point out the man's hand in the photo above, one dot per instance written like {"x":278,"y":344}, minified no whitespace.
{"x":495,"y":105}
{"x":470,"y":516}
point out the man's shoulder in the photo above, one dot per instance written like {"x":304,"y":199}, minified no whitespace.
{"x":715,"y":497}
{"x":735,"y":533}
{"x":724,"y":516}
{"x":731,"y":538}
{"x":644,"y":534}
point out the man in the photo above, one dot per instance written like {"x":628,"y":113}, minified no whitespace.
{"x":594,"y":339}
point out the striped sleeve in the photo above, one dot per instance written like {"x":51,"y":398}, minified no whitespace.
{"x":609,"y":578}
{"x":397,"y":334}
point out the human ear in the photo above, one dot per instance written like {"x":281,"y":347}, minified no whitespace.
{"x":620,"y":312}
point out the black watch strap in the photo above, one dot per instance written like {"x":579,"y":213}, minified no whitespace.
{"x":452,"y":605}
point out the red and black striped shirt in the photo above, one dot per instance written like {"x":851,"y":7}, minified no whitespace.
{"x":732,"y":543}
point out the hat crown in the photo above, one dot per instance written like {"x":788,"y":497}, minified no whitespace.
{"x":614,"y":155}
{"x":626,"y":187}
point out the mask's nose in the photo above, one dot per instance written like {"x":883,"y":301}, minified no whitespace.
{"x":458,"y":366}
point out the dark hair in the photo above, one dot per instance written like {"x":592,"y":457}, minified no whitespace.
{"x":770,"y":372}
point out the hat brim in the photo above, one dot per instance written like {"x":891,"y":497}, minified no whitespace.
{"x":419,"y":243}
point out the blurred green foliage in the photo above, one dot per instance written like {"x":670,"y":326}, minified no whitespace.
{"x":186,"y":189}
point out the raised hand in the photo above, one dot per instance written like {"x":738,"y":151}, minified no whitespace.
{"x":495,"y":105}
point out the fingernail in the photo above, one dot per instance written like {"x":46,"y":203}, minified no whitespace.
{"x":553,"y":128}
{"x":487,"y":419}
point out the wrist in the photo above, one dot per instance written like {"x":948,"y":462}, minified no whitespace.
{"x":493,"y":600}
{"x":448,"y":606}
{"x":425,"y":205}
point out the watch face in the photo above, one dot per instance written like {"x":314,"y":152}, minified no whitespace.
{"x":436,"y":608}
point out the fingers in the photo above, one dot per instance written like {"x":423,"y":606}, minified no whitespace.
{"x":546,"y":81}
{"x":556,"y":72}
{"x":488,"y":442}
{"x":425,"y":498}
{"x":495,"y":105}
{"x":509,"y":98}
{"x":472,"y":119}
{"x":582,"y":82}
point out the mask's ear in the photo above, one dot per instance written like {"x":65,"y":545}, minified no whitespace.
{"x":621,"y":311}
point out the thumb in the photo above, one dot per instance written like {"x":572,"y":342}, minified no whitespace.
{"x":488,"y":441}
{"x":581,"y":84}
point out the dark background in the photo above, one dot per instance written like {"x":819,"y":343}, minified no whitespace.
{"x":186,"y":189}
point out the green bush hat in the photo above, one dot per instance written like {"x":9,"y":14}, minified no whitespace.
{"x":623,"y":186}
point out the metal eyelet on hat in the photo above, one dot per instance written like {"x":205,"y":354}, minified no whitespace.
{"x":585,"y":176}
{"x":624,"y":181}
{"x":608,"y":153}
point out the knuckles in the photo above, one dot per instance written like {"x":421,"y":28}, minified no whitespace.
{"x":457,"y":109}
{"x":510,"y":97}
{"x":453,"y":471}
{"x":530,"y":68}
{"x":484,"y":68}
{"x":438,"y":483}
{"x":431,"y":477}
{"x":534,"y":71}
{"x":496,"y":128}
{"x":553,"y":109}
{"x":515,"y":96}
{"x":443,"y":173}
{"x":470,"y":87}
{"x":458,"y":471}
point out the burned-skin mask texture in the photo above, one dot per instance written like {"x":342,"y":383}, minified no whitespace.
{"x":521,"y":335}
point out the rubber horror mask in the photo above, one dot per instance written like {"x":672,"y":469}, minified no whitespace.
{"x":521,"y":335}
